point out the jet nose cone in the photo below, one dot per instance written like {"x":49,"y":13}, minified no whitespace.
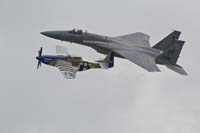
{"x":49,"y":33}
{"x":54,"y":34}
{"x":45,"y":33}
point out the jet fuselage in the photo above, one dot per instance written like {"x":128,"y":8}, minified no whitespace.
{"x":102,"y":44}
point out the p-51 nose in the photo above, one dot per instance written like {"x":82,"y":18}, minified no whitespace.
{"x":39,"y":58}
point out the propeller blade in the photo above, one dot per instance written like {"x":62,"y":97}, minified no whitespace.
{"x":40,"y":52}
{"x":39,"y":64}
{"x":39,"y":61}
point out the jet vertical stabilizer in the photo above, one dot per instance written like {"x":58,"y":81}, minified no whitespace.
{"x":170,"y":56}
{"x":167,"y":41}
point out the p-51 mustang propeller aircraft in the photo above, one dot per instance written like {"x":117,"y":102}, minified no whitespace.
{"x":134,"y":47}
{"x":69,"y":65}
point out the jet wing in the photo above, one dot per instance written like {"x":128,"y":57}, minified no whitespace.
{"x":66,"y":68}
{"x":136,"y":38}
{"x":141,"y":59}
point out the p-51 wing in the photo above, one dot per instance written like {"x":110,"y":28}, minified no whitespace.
{"x":66,"y":68}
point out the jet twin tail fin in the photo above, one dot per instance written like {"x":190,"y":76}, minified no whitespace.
{"x":167,"y":41}
{"x":171,"y":54}
{"x":171,"y":48}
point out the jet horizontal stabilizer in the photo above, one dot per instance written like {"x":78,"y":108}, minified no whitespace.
{"x":177,"y":69}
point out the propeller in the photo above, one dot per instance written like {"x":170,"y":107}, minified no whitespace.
{"x":39,"y":55}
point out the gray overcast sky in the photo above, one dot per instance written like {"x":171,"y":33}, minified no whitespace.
{"x":125,"y":99}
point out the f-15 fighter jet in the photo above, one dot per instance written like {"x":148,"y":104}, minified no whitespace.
{"x":134,"y":47}
{"x":69,"y":65}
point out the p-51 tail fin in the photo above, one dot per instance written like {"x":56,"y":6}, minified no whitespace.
{"x":108,"y":62}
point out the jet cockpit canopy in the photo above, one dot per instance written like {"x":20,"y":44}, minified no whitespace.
{"x":76,"y":31}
